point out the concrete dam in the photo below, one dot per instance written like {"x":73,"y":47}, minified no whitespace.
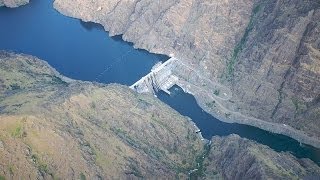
{"x":160,"y":78}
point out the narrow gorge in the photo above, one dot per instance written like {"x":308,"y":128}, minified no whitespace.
{"x":262,"y":55}
{"x":233,"y":90}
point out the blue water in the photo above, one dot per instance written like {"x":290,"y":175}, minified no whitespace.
{"x":76,"y":49}
{"x":84,"y":51}
{"x":186,"y":105}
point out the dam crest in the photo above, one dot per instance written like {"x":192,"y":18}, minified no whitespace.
{"x":160,"y":78}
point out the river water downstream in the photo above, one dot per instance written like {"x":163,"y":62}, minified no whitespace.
{"x":84,"y":51}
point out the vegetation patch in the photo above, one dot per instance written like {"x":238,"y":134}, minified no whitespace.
{"x":42,"y":167}
{"x":15,"y":87}
{"x":211,"y":104}
{"x":216,"y":92}
{"x":58,"y":80}
{"x":124,"y":136}
{"x":240,"y":46}
{"x":101,"y":159}
{"x":191,"y":136}
{"x":162,"y":124}
{"x":2,"y":177}
{"x":317,"y":114}
{"x":135,"y":171}
{"x":134,"y":167}
{"x":93,"y":105}
{"x":280,"y":99}
{"x":143,"y":104}
{"x":201,"y":168}
{"x":300,"y":106}
{"x":154,"y":152}
{"x":11,"y":170}
{"x":82,"y":176}
{"x":16,"y":130}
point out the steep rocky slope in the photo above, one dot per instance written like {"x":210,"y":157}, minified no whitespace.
{"x":53,"y":127}
{"x":278,"y":63}
{"x":264,"y":54}
{"x":13,"y":3}
{"x":237,"y":158}
{"x":56,"y":129}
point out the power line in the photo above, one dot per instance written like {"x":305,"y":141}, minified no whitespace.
{"x":115,"y":62}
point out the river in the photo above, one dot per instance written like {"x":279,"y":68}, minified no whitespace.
{"x":84,"y":51}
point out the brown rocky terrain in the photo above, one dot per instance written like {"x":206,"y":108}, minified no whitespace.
{"x":13,"y":3}
{"x":53,"y":127}
{"x":237,"y":158}
{"x":264,"y":55}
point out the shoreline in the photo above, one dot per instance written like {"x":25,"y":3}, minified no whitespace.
{"x":13,"y":4}
{"x":268,"y":126}
{"x":239,"y":118}
{"x":191,"y":125}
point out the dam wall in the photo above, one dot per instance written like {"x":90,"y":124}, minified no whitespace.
{"x":160,"y":78}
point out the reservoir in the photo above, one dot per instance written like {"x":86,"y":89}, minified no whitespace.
{"x":84,"y":51}
{"x":76,"y":49}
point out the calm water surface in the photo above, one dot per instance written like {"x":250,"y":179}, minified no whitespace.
{"x":186,"y":105}
{"x":76,"y":49}
{"x":84,"y":51}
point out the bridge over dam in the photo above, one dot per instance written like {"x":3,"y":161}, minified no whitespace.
{"x":160,"y":78}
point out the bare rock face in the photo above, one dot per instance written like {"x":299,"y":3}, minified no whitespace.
{"x":276,"y":74}
{"x":192,"y":30}
{"x":13,"y":3}
{"x":233,"y":157}
{"x":266,"y":53}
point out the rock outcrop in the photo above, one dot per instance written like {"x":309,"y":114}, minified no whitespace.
{"x":13,"y":3}
{"x":265,"y":53}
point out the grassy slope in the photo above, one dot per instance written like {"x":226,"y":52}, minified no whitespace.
{"x":56,"y":129}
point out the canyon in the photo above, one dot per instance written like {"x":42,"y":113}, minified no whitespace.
{"x":54,"y":127}
{"x":250,"y":61}
{"x":262,"y":55}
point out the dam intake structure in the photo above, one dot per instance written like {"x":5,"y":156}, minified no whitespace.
{"x":212,"y":96}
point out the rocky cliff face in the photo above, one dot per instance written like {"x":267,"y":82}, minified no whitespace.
{"x":13,"y":3}
{"x":266,"y":54}
{"x":237,"y":158}
{"x":277,"y":66}
{"x":53,"y":127}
